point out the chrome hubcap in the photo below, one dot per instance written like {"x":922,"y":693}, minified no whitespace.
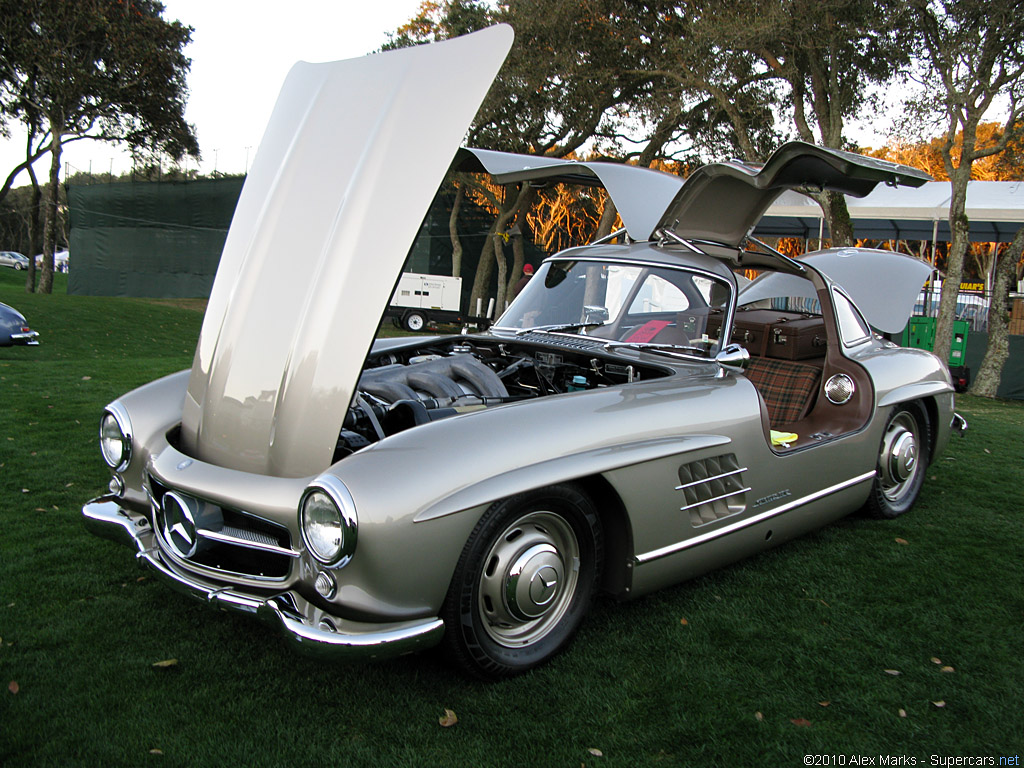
{"x":898,"y":462}
{"x":529,"y":579}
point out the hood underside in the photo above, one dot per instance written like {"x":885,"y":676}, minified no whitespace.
{"x":352,"y":156}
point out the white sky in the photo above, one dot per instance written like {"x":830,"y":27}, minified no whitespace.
{"x":241,"y":51}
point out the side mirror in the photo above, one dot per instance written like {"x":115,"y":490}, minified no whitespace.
{"x":733,"y":358}
{"x":595,"y":314}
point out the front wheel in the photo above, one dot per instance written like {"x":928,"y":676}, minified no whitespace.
{"x":524,"y":581}
{"x":902,"y":462}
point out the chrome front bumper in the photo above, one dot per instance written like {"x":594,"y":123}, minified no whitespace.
{"x":336,"y":639}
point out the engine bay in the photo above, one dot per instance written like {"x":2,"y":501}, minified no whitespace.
{"x":406,"y":386}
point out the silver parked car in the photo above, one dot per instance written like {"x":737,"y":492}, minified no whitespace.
{"x":632,"y":420}
{"x":14,"y":260}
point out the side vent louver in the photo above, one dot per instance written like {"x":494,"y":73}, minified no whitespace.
{"x":712,"y":488}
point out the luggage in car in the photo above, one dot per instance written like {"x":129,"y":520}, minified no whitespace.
{"x":800,"y":338}
{"x":778,"y":334}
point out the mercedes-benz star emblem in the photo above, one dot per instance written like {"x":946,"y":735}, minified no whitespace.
{"x":180,"y":524}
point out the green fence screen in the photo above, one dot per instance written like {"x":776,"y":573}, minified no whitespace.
{"x":160,"y":239}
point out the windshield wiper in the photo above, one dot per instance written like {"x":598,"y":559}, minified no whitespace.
{"x":556,"y":328}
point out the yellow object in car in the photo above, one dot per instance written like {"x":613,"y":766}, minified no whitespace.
{"x":783,"y":438}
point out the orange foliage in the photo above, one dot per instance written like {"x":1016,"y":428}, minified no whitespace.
{"x":1004,"y":166}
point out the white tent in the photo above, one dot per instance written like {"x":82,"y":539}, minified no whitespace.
{"x":995,"y":210}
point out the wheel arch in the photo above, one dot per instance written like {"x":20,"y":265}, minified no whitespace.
{"x":616,"y":577}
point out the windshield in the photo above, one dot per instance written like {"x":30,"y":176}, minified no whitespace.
{"x":630,"y":304}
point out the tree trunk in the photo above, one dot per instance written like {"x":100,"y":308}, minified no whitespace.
{"x":52,"y":211}
{"x":837,"y":214}
{"x":604,"y":228}
{"x":518,"y":260}
{"x":34,"y":245}
{"x":453,"y":231}
{"x":484,"y":270}
{"x":500,"y":238}
{"x":986,"y":383}
{"x":954,"y":264}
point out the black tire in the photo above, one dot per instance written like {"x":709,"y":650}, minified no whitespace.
{"x":902,"y":462}
{"x":414,"y":321}
{"x":18,"y":267}
{"x":493,"y":629}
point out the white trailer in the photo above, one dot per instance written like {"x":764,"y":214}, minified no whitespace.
{"x":419,"y":299}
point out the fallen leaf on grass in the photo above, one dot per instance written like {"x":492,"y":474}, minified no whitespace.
{"x":800,"y":722}
{"x":902,"y":541}
{"x":824,"y":703}
{"x":448,"y":719}
{"x":936,"y":660}
{"x":758,"y":716}
{"x":156,"y":751}
{"x":903,"y":712}
{"x":947,"y":669}
{"x":165,"y":663}
{"x":596,"y":752}
{"x":684,"y":622}
{"x":87,"y":378}
{"x":939,"y":704}
{"x":987,"y":451}
{"x":13,"y":686}
{"x":892,"y":672}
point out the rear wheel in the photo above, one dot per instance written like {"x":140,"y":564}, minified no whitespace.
{"x":524,"y":581}
{"x":902,"y":462}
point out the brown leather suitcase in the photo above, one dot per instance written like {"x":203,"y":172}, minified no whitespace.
{"x":800,"y":338}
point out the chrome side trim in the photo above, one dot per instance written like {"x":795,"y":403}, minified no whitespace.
{"x":335,"y":639}
{"x":713,"y":499}
{"x":713,"y":478}
{"x":703,"y":538}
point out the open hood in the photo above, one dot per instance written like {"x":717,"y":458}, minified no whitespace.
{"x":722,"y":202}
{"x":884,"y":285}
{"x":351,"y":159}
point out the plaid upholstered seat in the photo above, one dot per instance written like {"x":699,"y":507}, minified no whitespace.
{"x":788,"y":388}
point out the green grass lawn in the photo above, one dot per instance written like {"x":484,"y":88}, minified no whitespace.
{"x":780,"y":656}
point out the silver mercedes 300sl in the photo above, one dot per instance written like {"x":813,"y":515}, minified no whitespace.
{"x":639,"y":415}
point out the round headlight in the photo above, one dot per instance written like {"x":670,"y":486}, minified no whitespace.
{"x":116,"y":438}
{"x":328,"y":521}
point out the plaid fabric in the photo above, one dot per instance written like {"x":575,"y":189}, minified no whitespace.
{"x":788,"y":388}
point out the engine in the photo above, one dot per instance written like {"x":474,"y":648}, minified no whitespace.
{"x":407,"y":387}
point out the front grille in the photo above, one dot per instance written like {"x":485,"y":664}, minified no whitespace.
{"x":228,"y":542}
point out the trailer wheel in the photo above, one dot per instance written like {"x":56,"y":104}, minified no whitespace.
{"x":414,"y":321}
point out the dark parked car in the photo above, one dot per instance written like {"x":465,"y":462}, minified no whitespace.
{"x":14,"y":329}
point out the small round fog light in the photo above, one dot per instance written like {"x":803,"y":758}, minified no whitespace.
{"x":116,"y":486}
{"x":325,"y":586}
